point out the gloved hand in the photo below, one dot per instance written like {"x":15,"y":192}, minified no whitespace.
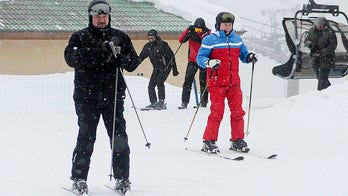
{"x":106,"y":46}
{"x":213,"y":63}
{"x":191,"y":29}
{"x":313,"y":46}
{"x":121,"y":61}
{"x":251,"y":58}
{"x":175,"y":72}
{"x":314,"y":49}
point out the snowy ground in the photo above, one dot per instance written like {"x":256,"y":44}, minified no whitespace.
{"x":307,"y":132}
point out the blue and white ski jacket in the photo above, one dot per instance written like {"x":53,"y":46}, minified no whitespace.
{"x":227,"y":49}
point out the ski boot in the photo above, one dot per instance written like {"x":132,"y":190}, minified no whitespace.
{"x":122,"y":185}
{"x":239,"y":145}
{"x":152,"y":106}
{"x":183,"y":106}
{"x":210,"y":147}
{"x":80,"y":186}
{"x":161,"y":105}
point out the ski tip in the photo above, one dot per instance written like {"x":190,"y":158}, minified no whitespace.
{"x":273,"y":156}
{"x":240,"y":158}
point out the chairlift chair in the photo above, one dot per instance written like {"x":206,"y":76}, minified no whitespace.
{"x":298,"y":66}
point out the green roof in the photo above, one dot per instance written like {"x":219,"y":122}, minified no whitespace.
{"x":72,"y":15}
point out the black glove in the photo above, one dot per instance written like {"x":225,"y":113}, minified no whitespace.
{"x":191,"y":29}
{"x":251,"y":58}
{"x":106,"y":46}
{"x":121,"y":61}
{"x":314,"y":48}
{"x":193,"y":35}
{"x":175,"y":72}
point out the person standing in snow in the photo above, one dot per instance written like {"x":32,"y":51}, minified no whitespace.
{"x":194,"y":34}
{"x":219,"y":53}
{"x":322,"y":42}
{"x":163,"y":61}
{"x":90,"y":54}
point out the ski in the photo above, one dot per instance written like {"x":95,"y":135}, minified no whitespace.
{"x":268,"y":156}
{"x":73,"y":192}
{"x":148,"y":109}
{"x":120,"y":192}
{"x":237,"y":158}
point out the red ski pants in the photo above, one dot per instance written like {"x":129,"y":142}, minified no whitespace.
{"x":234,"y":98}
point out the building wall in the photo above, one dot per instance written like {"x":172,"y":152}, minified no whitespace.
{"x":47,"y":57}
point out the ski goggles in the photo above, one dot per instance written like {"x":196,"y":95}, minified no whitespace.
{"x":227,"y":17}
{"x":198,"y":30}
{"x":100,"y":8}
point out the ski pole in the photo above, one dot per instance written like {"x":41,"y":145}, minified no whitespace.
{"x":251,"y":91}
{"x":114,"y":125}
{"x":195,"y":90}
{"x":111,"y":44}
{"x":199,"y":105}
{"x":194,"y":117}
{"x":177,"y":50}
{"x":148,"y":144}
{"x":130,"y":96}
{"x":175,"y":53}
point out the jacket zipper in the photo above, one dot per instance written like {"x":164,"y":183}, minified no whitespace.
{"x":229,"y":58}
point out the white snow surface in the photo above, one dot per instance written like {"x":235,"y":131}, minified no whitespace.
{"x":307,"y":131}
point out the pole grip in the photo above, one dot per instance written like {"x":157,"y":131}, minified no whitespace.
{"x":112,"y":46}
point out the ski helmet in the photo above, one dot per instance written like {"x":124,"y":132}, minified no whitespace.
{"x":152,"y":32}
{"x":99,"y":7}
{"x":223,"y":17}
{"x":199,"y":23}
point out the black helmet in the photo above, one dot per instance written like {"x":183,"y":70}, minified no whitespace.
{"x":199,"y":23}
{"x":152,"y":32}
{"x":99,"y":7}
{"x":223,"y":17}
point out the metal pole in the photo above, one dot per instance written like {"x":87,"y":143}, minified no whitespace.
{"x":196,"y":91}
{"x":194,"y":116}
{"x":250,"y":96}
{"x":148,"y":144}
{"x":114,"y":124}
{"x":111,"y":44}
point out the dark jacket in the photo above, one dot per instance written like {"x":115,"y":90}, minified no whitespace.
{"x":323,"y":42}
{"x":160,"y":54}
{"x":95,"y":67}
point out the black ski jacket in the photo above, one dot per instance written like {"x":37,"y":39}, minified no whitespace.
{"x":95,"y":66}
{"x":160,"y":54}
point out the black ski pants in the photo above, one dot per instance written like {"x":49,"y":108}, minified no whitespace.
{"x":191,"y":71}
{"x":158,"y":77}
{"x":89,"y":112}
{"x":323,"y":77}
